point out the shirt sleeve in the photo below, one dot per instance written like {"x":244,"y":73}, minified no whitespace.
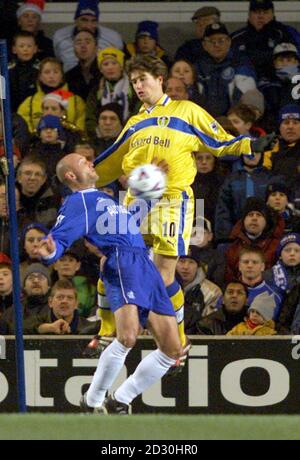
{"x":71,"y":224}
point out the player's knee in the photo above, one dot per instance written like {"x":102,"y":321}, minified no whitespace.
{"x":128,"y":339}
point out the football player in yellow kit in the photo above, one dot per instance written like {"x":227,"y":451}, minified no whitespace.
{"x":166,"y":130}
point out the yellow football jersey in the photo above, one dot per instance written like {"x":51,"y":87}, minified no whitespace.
{"x":171,"y":131}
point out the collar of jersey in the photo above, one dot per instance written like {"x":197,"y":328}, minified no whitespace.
{"x":87,"y":190}
{"x":164,"y":100}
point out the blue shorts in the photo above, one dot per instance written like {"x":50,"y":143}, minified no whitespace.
{"x":130,"y":277}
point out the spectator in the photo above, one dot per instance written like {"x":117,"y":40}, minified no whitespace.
{"x":284,"y":157}
{"x":207,"y":183}
{"x":243,"y":118}
{"x":285,"y":274}
{"x":231,"y":313}
{"x":278,"y":197}
{"x":192,"y":49}
{"x":249,"y":180}
{"x":251,"y":268}
{"x":85,"y":75}
{"x":110,"y":124}
{"x":261,"y":35}
{"x":6,"y":283}
{"x":68,"y":267}
{"x":202,"y":237}
{"x":176,"y":89}
{"x":223,"y":74}
{"x":259,"y":321}
{"x":23,"y":219}
{"x":51,"y":78}
{"x":114,"y":86}
{"x":147,"y":42}
{"x":23,"y":69}
{"x":254,"y":99}
{"x":86,"y":17}
{"x":31,"y":236}
{"x":186,"y":72}
{"x":278,"y":88}
{"x":86,"y":150}
{"x":62,"y":316}
{"x":200,"y":294}
{"x":259,"y":228}
{"x":29,"y":17}
{"x":37,"y":197}
{"x":36,"y":285}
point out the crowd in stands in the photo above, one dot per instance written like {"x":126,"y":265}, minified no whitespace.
{"x":71,"y":93}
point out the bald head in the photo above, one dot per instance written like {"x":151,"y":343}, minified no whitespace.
{"x":76,"y":172}
{"x":66,"y":164}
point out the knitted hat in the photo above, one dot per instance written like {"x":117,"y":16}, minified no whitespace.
{"x":260,"y":5}
{"x":193,"y":253}
{"x":256,"y":204}
{"x":49,"y":121}
{"x":60,"y":95}
{"x":37,"y":268}
{"x":34,"y":225}
{"x":112,"y":107}
{"x":4,"y":259}
{"x":205,"y":11}
{"x":277,"y":187}
{"x":254,"y":98}
{"x":289,"y":111}
{"x":37,"y":6}
{"x":215,"y":28}
{"x":87,"y":7}
{"x":264,"y":304}
{"x":147,"y":28}
{"x":287,"y":239}
{"x":111,"y":53}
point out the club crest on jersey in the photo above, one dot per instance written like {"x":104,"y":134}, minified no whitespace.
{"x":162,"y":122}
{"x":214,"y":126}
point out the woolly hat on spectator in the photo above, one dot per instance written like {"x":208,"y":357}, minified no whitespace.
{"x":60,"y":95}
{"x":36,"y":6}
{"x":260,"y":5}
{"x":111,"y":53}
{"x":289,"y":111}
{"x":4,"y":259}
{"x":37,"y":268}
{"x":50,"y":121}
{"x":285,"y":48}
{"x":205,"y":11}
{"x":87,"y":7}
{"x":215,"y":28}
{"x":254,"y":98}
{"x":112,"y":107}
{"x":277,"y":187}
{"x":193,"y":253}
{"x":264,"y":304}
{"x":147,"y":28}
{"x":287,"y":239}
{"x":34,"y":225}
{"x":256,"y":204}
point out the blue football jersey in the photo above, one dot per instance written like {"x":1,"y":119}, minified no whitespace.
{"x":99,"y":218}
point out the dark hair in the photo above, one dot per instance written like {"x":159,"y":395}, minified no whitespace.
{"x":153,"y":65}
{"x":51,"y":60}
{"x":23,"y":34}
{"x":243,"y":111}
{"x":192,"y":66}
{"x":236,"y":281}
{"x":32,"y":159}
{"x":78,"y":31}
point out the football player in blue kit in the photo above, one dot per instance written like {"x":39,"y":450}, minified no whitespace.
{"x":134,"y":287}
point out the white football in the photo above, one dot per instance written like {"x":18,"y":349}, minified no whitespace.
{"x":147,"y":182}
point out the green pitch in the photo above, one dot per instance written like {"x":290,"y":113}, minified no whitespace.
{"x":146,"y":427}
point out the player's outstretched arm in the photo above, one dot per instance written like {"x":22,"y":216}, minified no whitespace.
{"x":263,"y":143}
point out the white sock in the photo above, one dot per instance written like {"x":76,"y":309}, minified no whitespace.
{"x":109,"y":365}
{"x":150,"y":369}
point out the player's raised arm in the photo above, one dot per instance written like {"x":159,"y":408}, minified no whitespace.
{"x":46,"y":247}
